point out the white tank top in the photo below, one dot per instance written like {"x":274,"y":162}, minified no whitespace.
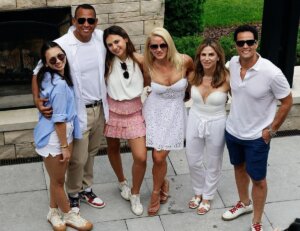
{"x":120,"y":88}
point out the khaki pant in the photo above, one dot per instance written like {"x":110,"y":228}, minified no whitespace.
{"x":80,"y":170}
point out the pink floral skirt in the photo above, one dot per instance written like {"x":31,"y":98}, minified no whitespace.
{"x":125,"y":119}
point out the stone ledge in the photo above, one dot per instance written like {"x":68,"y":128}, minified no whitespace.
{"x":15,"y":120}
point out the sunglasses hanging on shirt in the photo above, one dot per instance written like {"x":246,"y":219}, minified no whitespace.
{"x":124,"y":68}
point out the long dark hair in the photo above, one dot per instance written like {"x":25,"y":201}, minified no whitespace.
{"x":220,"y":73}
{"x":41,"y":74}
{"x":130,"y":49}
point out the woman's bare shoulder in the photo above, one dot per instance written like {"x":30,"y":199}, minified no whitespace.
{"x":139,"y":57}
{"x":188,"y":62}
{"x":187,"y":58}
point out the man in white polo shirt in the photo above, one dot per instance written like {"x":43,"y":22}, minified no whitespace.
{"x":256,"y":87}
{"x":86,"y":53}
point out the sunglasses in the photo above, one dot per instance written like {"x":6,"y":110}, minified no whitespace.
{"x":156,"y":46}
{"x":53,"y":60}
{"x":124,"y":68}
{"x":90,"y":21}
{"x":241,"y":43}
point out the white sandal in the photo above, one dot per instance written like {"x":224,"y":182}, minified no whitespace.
{"x":203,"y":206}
{"x":194,"y":202}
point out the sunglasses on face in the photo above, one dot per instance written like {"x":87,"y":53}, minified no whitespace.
{"x":90,"y":21}
{"x":53,"y":60}
{"x":124,"y":68}
{"x":156,"y":46}
{"x":241,"y":43}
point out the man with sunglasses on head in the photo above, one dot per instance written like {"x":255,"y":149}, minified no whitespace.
{"x":85,"y":51}
{"x":256,"y":87}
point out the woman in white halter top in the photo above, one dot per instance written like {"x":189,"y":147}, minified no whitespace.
{"x":164,"y":110}
{"x":206,"y":123}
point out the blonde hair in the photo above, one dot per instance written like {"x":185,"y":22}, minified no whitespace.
{"x":172,"y":55}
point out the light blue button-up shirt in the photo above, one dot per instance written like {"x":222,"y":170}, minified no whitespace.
{"x":61,"y":98}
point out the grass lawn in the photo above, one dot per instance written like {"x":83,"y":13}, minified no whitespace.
{"x":220,"y":13}
{"x":227,"y":13}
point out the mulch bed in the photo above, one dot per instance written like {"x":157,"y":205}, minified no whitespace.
{"x":217,"y":32}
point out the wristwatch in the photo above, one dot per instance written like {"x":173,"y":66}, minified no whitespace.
{"x":272,"y":132}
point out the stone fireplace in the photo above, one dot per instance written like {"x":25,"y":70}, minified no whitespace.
{"x":22,"y":35}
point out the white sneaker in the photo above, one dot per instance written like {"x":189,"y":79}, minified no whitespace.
{"x":125,"y":190}
{"x":239,"y":209}
{"x":257,"y":227}
{"x":54,"y":218}
{"x":75,"y":221}
{"x":136,"y":206}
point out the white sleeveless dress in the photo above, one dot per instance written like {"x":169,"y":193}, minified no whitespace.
{"x":165,"y":116}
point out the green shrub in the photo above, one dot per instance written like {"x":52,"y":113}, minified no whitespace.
{"x":183,"y":17}
{"x":188,"y":44}
{"x":228,"y":45}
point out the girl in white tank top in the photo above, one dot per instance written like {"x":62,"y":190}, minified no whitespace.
{"x":125,"y":84}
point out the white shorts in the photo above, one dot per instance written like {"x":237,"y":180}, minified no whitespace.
{"x":53,"y":146}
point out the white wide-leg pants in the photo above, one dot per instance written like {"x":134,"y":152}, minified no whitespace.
{"x":205,"y":141}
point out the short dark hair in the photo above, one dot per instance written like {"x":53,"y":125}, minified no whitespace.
{"x":245,"y":28}
{"x":86,"y":7}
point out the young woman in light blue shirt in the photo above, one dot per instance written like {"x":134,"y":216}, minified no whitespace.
{"x":53,"y":136}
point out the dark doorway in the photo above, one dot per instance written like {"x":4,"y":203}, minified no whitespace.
{"x":22,"y":34}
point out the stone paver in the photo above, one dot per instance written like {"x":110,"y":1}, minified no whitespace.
{"x":24,"y":195}
{"x":21,"y":178}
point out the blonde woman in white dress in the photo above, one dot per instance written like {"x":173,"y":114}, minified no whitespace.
{"x":164,"y":110}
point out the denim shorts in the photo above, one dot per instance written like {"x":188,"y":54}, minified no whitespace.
{"x":253,"y":152}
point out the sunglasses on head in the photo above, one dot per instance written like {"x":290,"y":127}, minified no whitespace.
{"x":241,"y":43}
{"x":90,"y":21}
{"x":124,"y":68}
{"x":156,"y":46}
{"x":53,"y":60}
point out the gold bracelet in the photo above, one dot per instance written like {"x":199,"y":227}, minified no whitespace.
{"x":64,"y":146}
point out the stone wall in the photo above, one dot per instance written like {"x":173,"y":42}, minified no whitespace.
{"x":20,"y":144}
{"x":16,"y":140}
{"x":137,"y":17}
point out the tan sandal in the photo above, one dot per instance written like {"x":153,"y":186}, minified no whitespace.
{"x":195,"y":202}
{"x":154,"y":203}
{"x":164,"y":192}
{"x":203,"y":208}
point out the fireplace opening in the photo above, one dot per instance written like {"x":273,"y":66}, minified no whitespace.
{"x":22,"y":35}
